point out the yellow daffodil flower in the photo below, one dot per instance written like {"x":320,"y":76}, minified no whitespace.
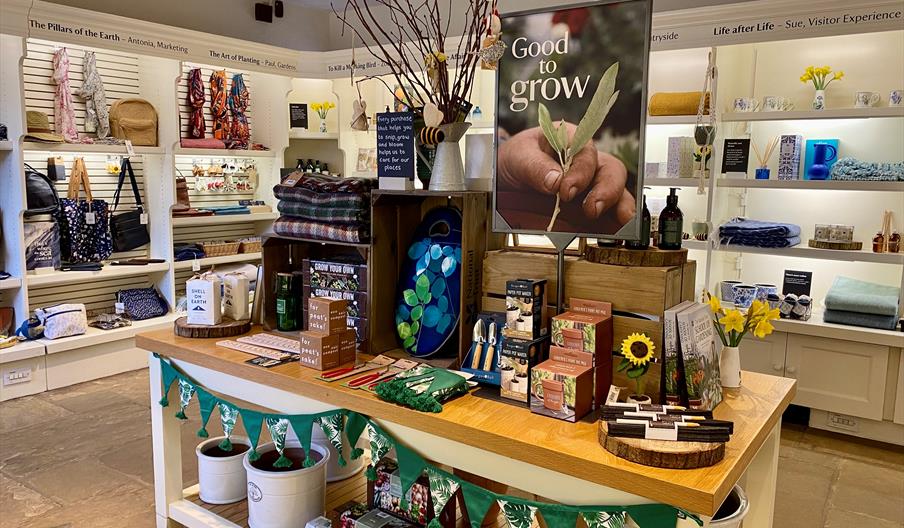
{"x":714,"y":304}
{"x":771,"y":314}
{"x":762,"y":328}
{"x":733,"y":320}
{"x":440,"y":56}
{"x":757,"y":308}
{"x":838,"y":75}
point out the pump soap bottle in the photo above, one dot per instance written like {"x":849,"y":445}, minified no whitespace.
{"x":646,"y":219}
{"x":671,"y":223}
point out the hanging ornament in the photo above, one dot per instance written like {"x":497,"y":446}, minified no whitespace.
{"x":359,"y":106}
{"x":432,"y":63}
{"x":433,"y":116}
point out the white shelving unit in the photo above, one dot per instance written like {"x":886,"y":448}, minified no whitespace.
{"x":96,"y":336}
{"x":299,"y":133}
{"x":813,"y":185}
{"x":802,"y":251}
{"x":6,"y":145}
{"x":673,"y":120}
{"x":673,"y":182}
{"x":87,"y":148}
{"x":829,"y":113}
{"x":222,"y":153}
{"x":223,"y":219}
{"x":108,"y":272}
{"x":10,"y":284}
{"x":213,"y":261}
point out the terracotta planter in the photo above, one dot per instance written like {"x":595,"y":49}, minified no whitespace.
{"x":286,"y":497}
{"x":553,"y":395}
{"x":574,"y":338}
{"x":221,"y":475}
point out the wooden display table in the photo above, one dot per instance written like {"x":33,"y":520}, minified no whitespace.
{"x":558,"y":460}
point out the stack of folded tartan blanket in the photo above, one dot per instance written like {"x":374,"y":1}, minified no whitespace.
{"x":744,"y":232}
{"x":325,"y":208}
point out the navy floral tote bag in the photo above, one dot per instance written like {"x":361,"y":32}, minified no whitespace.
{"x":84,"y":223}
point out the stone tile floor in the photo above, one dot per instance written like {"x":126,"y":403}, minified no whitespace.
{"x":81,"y":457}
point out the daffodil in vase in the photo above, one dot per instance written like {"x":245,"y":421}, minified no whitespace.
{"x":821,"y":77}
{"x":637,"y":351}
{"x":322,"y":110}
{"x":731,"y":326}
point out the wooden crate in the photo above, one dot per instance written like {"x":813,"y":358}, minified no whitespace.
{"x":394,"y":217}
{"x":639,"y":295}
{"x":285,"y":255}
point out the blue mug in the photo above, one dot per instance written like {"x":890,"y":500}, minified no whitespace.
{"x":764,"y":290}
{"x":726,"y":290}
{"x":744,"y":294}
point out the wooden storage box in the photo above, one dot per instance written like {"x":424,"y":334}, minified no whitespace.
{"x":643,"y":291}
{"x":394,"y":217}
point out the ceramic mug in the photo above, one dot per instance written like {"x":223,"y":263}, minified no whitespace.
{"x":895,"y":97}
{"x":746,"y":104}
{"x":776,"y":103}
{"x":744,"y":294}
{"x":765,"y":290}
{"x":726,"y":288}
{"x":774,"y":300}
{"x":866,"y":99}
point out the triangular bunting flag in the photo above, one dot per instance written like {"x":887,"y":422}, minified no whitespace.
{"x":278,"y":428}
{"x":332,"y":426}
{"x":600,"y":519}
{"x":519,"y":515}
{"x":558,"y":517}
{"x":186,"y":393}
{"x":442,"y":489}
{"x":206,"y":402}
{"x":411,"y":466}
{"x":228,"y":416}
{"x":169,"y":375}
{"x":354,"y":426}
{"x":302,"y":424}
{"x":253,"y":421}
{"x":653,"y":515}
{"x":477,"y":502}
{"x":380,"y":444}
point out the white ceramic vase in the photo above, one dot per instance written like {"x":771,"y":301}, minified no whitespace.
{"x":221,"y":480}
{"x":730,"y":367}
{"x":819,"y":100}
{"x":286,"y":499}
{"x":323,"y":126}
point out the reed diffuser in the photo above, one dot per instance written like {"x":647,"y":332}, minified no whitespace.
{"x":762,"y":171}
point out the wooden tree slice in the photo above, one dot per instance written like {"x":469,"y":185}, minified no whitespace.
{"x":661,"y":453}
{"x":652,"y":257}
{"x":228,"y":328}
{"x":846,"y":246}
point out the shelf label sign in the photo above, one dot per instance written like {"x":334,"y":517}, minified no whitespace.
{"x":395,"y":150}
{"x":298,"y":115}
{"x":736,"y":155}
{"x":797,"y":282}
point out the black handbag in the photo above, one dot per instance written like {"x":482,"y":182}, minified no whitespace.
{"x":126,"y":228}
{"x":40,"y":194}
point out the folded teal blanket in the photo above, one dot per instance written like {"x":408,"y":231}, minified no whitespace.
{"x":884,"y":322}
{"x":852,"y":295}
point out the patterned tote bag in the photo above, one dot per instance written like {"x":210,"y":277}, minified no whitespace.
{"x":84,"y":223}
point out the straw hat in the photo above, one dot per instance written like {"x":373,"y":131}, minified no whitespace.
{"x":38,"y":126}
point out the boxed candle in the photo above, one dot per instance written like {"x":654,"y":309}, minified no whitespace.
{"x":789,"y":151}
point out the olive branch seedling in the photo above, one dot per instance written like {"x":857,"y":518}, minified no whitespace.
{"x":557,"y":135}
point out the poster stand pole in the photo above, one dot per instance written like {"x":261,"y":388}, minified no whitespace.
{"x":560,"y":241}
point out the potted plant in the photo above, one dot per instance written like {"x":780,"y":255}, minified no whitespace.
{"x":637,"y":350}
{"x":732,"y":325}
{"x":821,"y":80}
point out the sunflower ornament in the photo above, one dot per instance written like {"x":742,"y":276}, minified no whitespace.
{"x":637,"y":350}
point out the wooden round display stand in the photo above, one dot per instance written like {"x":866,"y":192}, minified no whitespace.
{"x":647,"y":258}
{"x":228,"y":328}
{"x":661,"y":453}
{"x":845,"y":246}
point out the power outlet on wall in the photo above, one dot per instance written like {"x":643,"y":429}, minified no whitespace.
{"x":19,"y":375}
{"x":843,"y":421}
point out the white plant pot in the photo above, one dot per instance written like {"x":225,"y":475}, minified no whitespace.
{"x":732,"y":512}
{"x":730,"y":367}
{"x":221,"y":480}
{"x":334,"y":471}
{"x":642,"y":399}
{"x":286,"y":499}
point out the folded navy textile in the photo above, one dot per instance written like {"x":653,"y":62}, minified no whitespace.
{"x":884,"y":322}
{"x":745,"y":227}
{"x":187,"y":252}
{"x":763,"y":242}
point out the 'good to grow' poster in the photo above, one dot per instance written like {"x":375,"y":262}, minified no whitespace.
{"x":570,"y":117}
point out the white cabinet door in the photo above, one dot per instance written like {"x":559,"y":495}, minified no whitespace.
{"x":899,"y":398}
{"x":838,"y":376}
{"x":766,"y":356}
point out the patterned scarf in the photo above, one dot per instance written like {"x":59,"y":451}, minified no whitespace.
{"x":97,"y":117}
{"x":218,"y":96}
{"x":63,"y":113}
{"x":196,"y":96}
{"x":239,"y":99}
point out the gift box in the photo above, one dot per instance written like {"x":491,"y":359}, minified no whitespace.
{"x":518,"y":356}
{"x":525,"y":309}
{"x":327,"y":315}
{"x":385,"y":493}
{"x":680,"y":160}
{"x":789,"y":152}
{"x":335,"y":274}
{"x":345,"y":516}
{"x":326,"y":351}
{"x":483,"y":357}
{"x":357,"y":301}
{"x":236,"y":296}
{"x":587,"y":327}
{"x":562,"y":386}
{"x":203,"y":296}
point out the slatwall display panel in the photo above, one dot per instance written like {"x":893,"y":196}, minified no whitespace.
{"x":103,"y":184}
{"x":185,"y":108}
{"x":185,"y":164}
{"x":118,"y":70}
{"x":98,"y":296}
{"x":194,"y":234}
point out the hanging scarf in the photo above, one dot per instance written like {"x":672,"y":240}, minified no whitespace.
{"x":218,"y":97}
{"x":196,"y":97}
{"x":97,"y":117}
{"x":239,"y":98}
{"x":63,"y":113}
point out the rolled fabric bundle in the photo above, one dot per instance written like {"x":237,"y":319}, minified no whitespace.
{"x":677,"y":103}
{"x":431,"y":136}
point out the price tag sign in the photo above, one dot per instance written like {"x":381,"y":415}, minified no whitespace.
{"x":129,"y":149}
{"x":120,"y":308}
{"x":90,"y":218}
{"x":612,"y":397}
{"x":196,"y":265}
{"x":143,"y":219}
